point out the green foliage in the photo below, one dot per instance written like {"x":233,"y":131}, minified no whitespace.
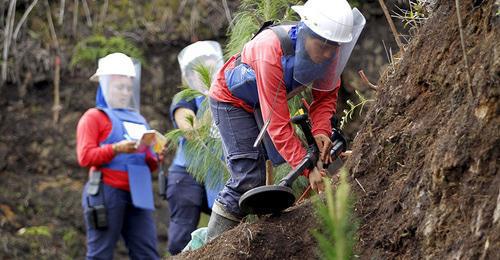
{"x":251,"y":15}
{"x":205,"y":73}
{"x":352,"y":107}
{"x":72,"y":243}
{"x":337,"y":236}
{"x":298,"y":186}
{"x":42,"y":231}
{"x":69,"y":237}
{"x":90,"y":49}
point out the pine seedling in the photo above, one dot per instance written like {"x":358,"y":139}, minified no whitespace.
{"x":338,"y":233}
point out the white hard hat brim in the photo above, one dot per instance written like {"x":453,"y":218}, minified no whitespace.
{"x":300,"y":10}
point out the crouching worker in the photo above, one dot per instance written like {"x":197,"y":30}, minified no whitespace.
{"x":118,"y":198}
{"x":186,"y":197}
{"x":276,"y":64}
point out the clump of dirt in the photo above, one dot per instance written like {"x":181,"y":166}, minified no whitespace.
{"x":426,"y":156}
{"x":285,"y":236}
{"x":428,"y":152}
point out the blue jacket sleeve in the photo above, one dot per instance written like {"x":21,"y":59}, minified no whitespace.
{"x":191,"y":105}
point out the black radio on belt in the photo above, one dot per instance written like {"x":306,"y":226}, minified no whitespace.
{"x":96,"y":214}
{"x":97,"y":217}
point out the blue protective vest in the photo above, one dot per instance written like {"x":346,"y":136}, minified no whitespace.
{"x":241,"y":80}
{"x":117,"y":117}
{"x":180,"y":157}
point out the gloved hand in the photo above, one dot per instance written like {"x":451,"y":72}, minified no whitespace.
{"x":324,"y":145}
{"x":316,"y":180}
{"x":124,"y":146}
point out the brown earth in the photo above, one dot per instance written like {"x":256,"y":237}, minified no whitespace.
{"x":428,"y":152}
{"x":426,"y":155}
{"x":285,"y":236}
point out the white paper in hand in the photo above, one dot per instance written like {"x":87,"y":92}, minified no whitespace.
{"x":134,"y":130}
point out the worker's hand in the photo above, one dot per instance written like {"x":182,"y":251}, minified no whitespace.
{"x":124,"y":146}
{"x":324,"y":145}
{"x":316,"y":180}
{"x":163,"y":153}
{"x":345,"y":155}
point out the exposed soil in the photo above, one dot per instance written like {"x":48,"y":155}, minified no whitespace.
{"x":428,"y":152}
{"x":427,"y":156}
{"x":269,"y":237}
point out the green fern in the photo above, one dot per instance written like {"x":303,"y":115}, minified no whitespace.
{"x":338,"y":233}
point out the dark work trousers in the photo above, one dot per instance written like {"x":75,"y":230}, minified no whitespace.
{"x":135,"y":225}
{"x":238,"y":130}
{"x":186,"y":200}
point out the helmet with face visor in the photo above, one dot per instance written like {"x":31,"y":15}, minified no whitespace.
{"x":203,"y":53}
{"x":326,"y":36}
{"x":119,"y":82}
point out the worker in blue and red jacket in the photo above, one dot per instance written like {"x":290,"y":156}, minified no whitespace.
{"x":186,"y":197}
{"x":118,"y":198}
{"x":276,"y":64}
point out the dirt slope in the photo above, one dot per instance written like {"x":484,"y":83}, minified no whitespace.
{"x":428,"y":152}
{"x":427,"y":156}
{"x":286,"y":236}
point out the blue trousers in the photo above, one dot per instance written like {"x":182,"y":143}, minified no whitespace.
{"x":135,"y":225}
{"x":186,"y":200}
{"x":238,"y":130}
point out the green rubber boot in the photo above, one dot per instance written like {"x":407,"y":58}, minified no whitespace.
{"x":220,"y":221}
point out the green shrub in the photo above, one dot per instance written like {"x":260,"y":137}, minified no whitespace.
{"x":90,"y":49}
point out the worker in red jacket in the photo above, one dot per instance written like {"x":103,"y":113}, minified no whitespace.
{"x":276,"y":64}
{"x":118,"y":198}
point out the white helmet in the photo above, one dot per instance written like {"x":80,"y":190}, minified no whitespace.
{"x":197,"y":50}
{"x":330,"y":19}
{"x":114,"y":64}
{"x":206,"y":53}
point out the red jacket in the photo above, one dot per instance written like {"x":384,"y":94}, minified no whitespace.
{"x":263,"y":54}
{"x":93,"y":128}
